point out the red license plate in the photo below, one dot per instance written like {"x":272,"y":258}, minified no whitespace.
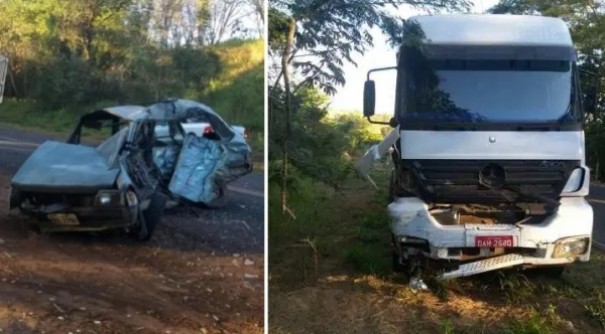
{"x":494,"y":241}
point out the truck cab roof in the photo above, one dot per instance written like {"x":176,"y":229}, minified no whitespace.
{"x":487,"y":29}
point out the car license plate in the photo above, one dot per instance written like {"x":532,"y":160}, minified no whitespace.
{"x":494,"y":241}
{"x":68,"y":219}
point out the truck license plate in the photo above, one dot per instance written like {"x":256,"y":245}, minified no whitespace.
{"x":494,"y":241}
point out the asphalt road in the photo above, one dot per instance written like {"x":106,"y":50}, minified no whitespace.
{"x":246,"y":195}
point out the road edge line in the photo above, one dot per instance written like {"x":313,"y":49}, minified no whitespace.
{"x":246,"y":191}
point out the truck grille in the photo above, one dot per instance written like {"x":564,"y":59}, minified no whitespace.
{"x":457,"y":181}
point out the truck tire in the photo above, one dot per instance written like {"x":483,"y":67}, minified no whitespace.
{"x":151,"y":217}
{"x":392,"y":187}
{"x":398,"y":267}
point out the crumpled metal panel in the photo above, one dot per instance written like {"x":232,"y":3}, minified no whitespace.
{"x":165,"y":159}
{"x":195,"y":172}
{"x":236,"y":163}
{"x":66,"y":168}
{"x":375,"y":153}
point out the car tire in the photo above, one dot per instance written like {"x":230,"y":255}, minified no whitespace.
{"x":221,"y":200}
{"x":151,"y":216}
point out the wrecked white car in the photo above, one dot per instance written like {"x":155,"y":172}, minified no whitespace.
{"x":488,"y":146}
{"x":125,"y":182}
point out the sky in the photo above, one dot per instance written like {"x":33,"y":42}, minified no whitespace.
{"x":350,"y":96}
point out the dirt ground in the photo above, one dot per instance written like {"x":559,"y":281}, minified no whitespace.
{"x":210,"y":281}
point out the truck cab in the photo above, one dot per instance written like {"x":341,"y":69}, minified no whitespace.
{"x":488,"y":145}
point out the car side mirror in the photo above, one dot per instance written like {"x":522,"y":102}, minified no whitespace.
{"x":369,"y":98}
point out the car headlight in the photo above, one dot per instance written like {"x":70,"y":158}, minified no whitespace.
{"x":571,"y":247}
{"x":574,"y":182}
{"x":108,"y":198}
{"x":104,"y":199}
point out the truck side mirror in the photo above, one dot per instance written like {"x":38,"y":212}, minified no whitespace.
{"x":369,"y":98}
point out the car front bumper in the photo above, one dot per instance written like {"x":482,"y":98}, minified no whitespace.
{"x":543,"y":243}
{"x":62,"y":216}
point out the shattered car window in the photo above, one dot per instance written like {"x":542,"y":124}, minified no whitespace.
{"x":110,"y":148}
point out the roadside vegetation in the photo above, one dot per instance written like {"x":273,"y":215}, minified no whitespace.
{"x":330,"y":272}
{"x":330,"y":255}
{"x":69,"y":57}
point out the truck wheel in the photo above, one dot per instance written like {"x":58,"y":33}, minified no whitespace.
{"x":151,"y":217}
{"x":399,"y":267}
{"x":392,"y":187}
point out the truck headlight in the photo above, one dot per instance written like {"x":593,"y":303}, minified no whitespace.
{"x":574,"y":183}
{"x":571,"y":247}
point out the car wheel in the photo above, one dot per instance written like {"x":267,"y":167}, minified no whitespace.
{"x":221,"y":200}
{"x":151,"y":216}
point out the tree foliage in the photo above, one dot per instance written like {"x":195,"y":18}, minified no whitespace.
{"x":330,"y":33}
{"x":65,"y":52}
{"x":314,"y":39}
{"x":586,"y":19}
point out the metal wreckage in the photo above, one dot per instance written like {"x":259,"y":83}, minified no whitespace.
{"x":126,"y":181}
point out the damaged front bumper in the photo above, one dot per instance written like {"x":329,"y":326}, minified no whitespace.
{"x":561,"y":238}
{"x":107,"y":209}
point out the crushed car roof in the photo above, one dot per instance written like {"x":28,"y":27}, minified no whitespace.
{"x":165,"y":110}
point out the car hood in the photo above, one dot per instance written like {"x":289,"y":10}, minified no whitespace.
{"x":65,"y":168}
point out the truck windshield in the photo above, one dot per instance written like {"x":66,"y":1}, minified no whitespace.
{"x":488,"y":91}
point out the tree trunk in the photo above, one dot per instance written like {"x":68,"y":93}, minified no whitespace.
{"x":286,"y":74}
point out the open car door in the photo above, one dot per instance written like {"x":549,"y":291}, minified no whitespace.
{"x":206,"y":164}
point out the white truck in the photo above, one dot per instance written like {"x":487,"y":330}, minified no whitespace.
{"x":488,"y":146}
{"x":3,"y":71}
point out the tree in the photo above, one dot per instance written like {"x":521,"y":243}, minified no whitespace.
{"x":586,"y":19}
{"x":226,"y":18}
{"x":315,"y":38}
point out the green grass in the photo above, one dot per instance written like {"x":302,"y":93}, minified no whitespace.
{"x":27,"y":114}
{"x":534,"y":324}
{"x":350,"y":229}
{"x":237,"y":94}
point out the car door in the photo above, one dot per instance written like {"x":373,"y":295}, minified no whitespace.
{"x":207,"y":163}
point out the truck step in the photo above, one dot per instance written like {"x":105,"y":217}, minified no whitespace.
{"x":478,"y":267}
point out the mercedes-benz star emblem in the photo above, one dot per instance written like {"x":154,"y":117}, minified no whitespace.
{"x":492,"y":139}
{"x":492,"y":176}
